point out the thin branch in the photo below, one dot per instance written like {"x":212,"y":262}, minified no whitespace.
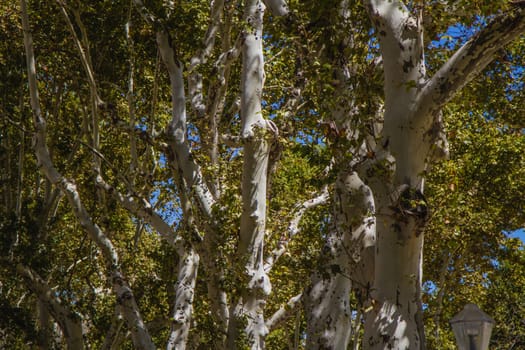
{"x":195,"y":78}
{"x":284,"y":312}
{"x":83,"y":51}
{"x":130,"y":96}
{"x":145,"y":13}
{"x":293,"y":227}
{"x":114,"y":335}
{"x":123,"y":292}
{"x":143,"y":209}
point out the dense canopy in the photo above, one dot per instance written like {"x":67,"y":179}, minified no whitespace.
{"x":260,"y":174}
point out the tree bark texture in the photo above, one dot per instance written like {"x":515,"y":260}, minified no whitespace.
{"x":412,"y":139}
{"x":184,"y":292}
{"x":346,"y":263}
{"x":256,"y":133}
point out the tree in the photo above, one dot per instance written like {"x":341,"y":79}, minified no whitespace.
{"x":413,"y":134}
{"x":266,"y":159}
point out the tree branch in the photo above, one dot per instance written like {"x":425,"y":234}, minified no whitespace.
{"x":255,"y":130}
{"x":184,"y":292}
{"x":114,"y":335}
{"x":293,"y":227}
{"x":143,"y":209}
{"x":177,"y":128}
{"x":284,"y":312}
{"x":278,"y":7}
{"x":145,"y":13}
{"x":140,"y":335}
{"x":470,"y":59}
{"x":69,"y":321}
{"x":182,"y":161}
{"x":195,"y":78}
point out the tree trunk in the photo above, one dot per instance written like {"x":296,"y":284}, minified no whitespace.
{"x":412,"y":140}
{"x":184,"y":291}
{"x":255,"y":133}
{"x":346,"y":263}
{"x":401,"y":207}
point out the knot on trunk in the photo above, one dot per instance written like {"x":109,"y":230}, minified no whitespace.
{"x":410,"y":203}
{"x":260,"y":283}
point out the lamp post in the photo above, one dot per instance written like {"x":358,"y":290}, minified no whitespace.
{"x":472,"y":328}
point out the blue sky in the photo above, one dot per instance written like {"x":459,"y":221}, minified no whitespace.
{"x":518,"y":234}
{"x":457,"y":35}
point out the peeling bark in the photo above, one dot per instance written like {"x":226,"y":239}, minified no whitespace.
{"x":470,"y":60}
{"x":190,"y":170}
{"x":255,"y":133}
{"x":192,"y":179}
{"x":346,"y":263}
{"x":412,"y":132}
{"x":184,"y":292}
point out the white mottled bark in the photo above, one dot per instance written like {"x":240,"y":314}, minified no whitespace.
{"x":184,"y":291}
{"x":394,"y":321}
{"x":347,"y":262}
{"x":412,"y":139}
{"x":123,"y":293}
{"x":470,"y":60}
{"x":255,"y":133}
{"x":277,"y":7}
{"x":191,"y":172}
{"x":182,"y":161}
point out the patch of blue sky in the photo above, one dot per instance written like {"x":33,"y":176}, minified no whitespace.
{"x":373,"y":46}
{"x":172,"y":216}
{"x":162,"y":160}
{"x":304,"y":138}
{"x":429,"y":287}
{"x":234,"y":152}
{"x":143,"y":125}
{"x":517,"y":74}
{"x":193,"y":136}
{"x":519,"y":233}
{"x":276,"y":105}
{"x":170,"y":212}
{"x":457,"y":34}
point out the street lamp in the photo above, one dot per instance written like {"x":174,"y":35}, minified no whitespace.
{"x":472,"y":328}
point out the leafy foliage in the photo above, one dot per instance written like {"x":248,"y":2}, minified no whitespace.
{"x":475,"y":196}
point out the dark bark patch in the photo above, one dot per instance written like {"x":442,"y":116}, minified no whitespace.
{"x":408,"y":65}
{"x":411,"y":204}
